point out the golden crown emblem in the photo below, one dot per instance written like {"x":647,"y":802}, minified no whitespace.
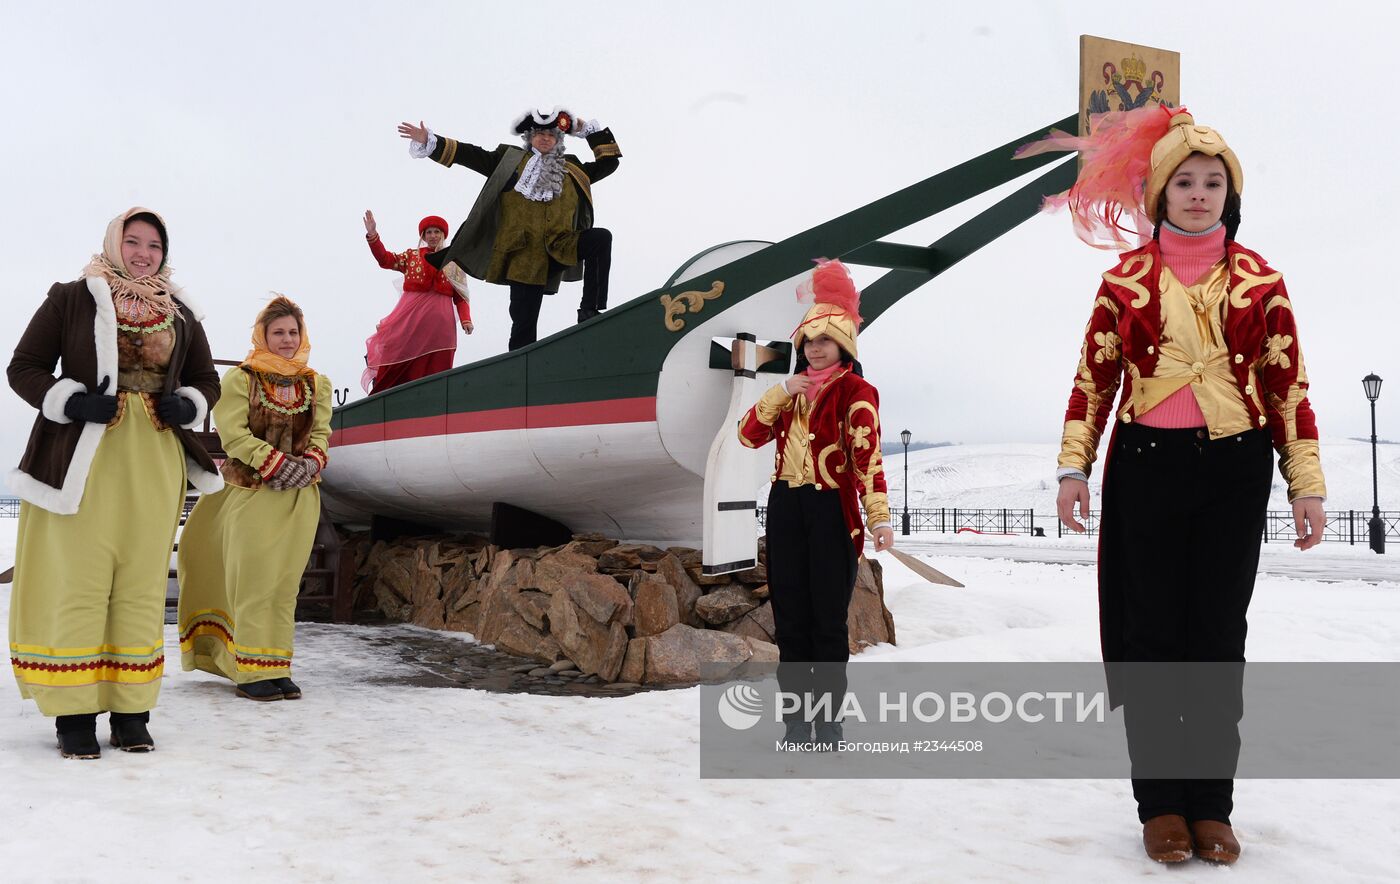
{"x":1134,"y":68}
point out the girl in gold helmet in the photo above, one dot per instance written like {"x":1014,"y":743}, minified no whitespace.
{"x":1199,"y":332}
{"x":825,"y":420}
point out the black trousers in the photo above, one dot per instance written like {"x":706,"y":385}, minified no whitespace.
{"x":811,"y":575}
{"x":1185,"y":527}
{"x":595,"y":251}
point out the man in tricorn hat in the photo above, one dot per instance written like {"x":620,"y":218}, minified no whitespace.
{"x":532,"y":225}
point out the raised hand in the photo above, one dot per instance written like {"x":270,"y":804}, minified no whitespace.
{"x":371,"y":229}
{"x":417,"y":133}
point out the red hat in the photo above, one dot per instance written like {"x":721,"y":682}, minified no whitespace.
{"x":432,"y":221}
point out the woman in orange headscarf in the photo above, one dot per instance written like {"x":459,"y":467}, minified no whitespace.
{"x":243,"y":550}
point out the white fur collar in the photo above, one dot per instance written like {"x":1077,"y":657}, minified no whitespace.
{"x":66,"y":500}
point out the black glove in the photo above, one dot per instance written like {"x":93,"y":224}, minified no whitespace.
{"x":94,"y":408}
{"x":175,"y":410}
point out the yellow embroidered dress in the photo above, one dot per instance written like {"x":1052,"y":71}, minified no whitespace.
{"x":243,"y":550}
{"x":87,"y":610}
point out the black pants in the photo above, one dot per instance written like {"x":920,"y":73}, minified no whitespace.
{"x":1186,"y":523}
{"x":811,"y":575}
{"x":595,"y":251}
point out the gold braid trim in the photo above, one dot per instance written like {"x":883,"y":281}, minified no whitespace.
{"x":1130,"y":278}
{"x":1247,"y":269}
{"x":1079,"y":446}
{"x":833,"y":448}
{"x":875,"y":503}
{"x":580,"y":179}
{"x":449,"y":151}
{"x":1093,"y":398}
{"x":1301,"y":467}
{"x":772,"y":403}
{"x":605,"y":151}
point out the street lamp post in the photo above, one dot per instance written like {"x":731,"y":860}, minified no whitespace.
{"x":905,"y":436}
{"x":1372,"y":385}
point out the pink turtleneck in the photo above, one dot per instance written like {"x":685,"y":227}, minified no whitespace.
{"x":820,"y":378}
{"x":1189,"y":257}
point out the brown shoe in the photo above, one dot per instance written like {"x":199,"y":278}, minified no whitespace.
{"x":1215,"y":841}
{"x":1166,"y":838}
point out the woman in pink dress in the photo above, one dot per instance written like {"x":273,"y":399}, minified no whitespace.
{"x":419,"y":337}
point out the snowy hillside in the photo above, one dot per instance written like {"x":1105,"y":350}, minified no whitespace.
{"x":1022,"y":476}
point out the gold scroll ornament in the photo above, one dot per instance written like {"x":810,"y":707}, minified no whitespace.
{"x":692,"y":302}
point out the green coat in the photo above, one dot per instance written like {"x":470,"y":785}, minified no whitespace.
{"x":507,"y":238}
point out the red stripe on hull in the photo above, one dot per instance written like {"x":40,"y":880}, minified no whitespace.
{"x":578,"y":414}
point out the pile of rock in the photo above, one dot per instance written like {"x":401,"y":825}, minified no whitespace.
{"x":625,"y":612}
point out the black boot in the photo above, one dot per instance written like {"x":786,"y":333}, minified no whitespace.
{"x":585,"y":314}
{"x":260,"y":690}
{"x":129,"y":732}
{"x":77,"y":736}
{"x":798,"y":732}
{"x":829,"y":736}
{"x":289,"y":688}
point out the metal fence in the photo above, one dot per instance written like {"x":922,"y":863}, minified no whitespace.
{"x":958,"y":520}
{"x":1342,"y":526}
{"x":9,"y":507}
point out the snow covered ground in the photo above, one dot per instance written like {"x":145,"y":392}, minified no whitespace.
{"x":365,"y":781}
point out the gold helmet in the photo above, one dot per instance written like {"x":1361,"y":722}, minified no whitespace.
{"x":835,"y":310}
{"x":1184,"y":138}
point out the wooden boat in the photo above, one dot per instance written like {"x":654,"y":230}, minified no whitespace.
{"x":617,"y":424}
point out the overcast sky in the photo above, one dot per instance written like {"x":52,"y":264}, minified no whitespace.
{"x":262,"y":131}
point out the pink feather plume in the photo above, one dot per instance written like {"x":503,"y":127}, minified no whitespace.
{"x":1106,"y":201}
{"x":831,"y":284}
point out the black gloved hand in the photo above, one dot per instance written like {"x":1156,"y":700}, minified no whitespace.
{"x":93,"y":408}
{"x":175,"y":410}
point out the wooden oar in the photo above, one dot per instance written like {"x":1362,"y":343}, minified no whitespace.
{"x":923,"y":569}
{"x":8,"y":576}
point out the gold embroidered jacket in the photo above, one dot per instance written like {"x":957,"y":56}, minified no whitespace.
{"x":1123,"y":337}
{"x":836,"y":440}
